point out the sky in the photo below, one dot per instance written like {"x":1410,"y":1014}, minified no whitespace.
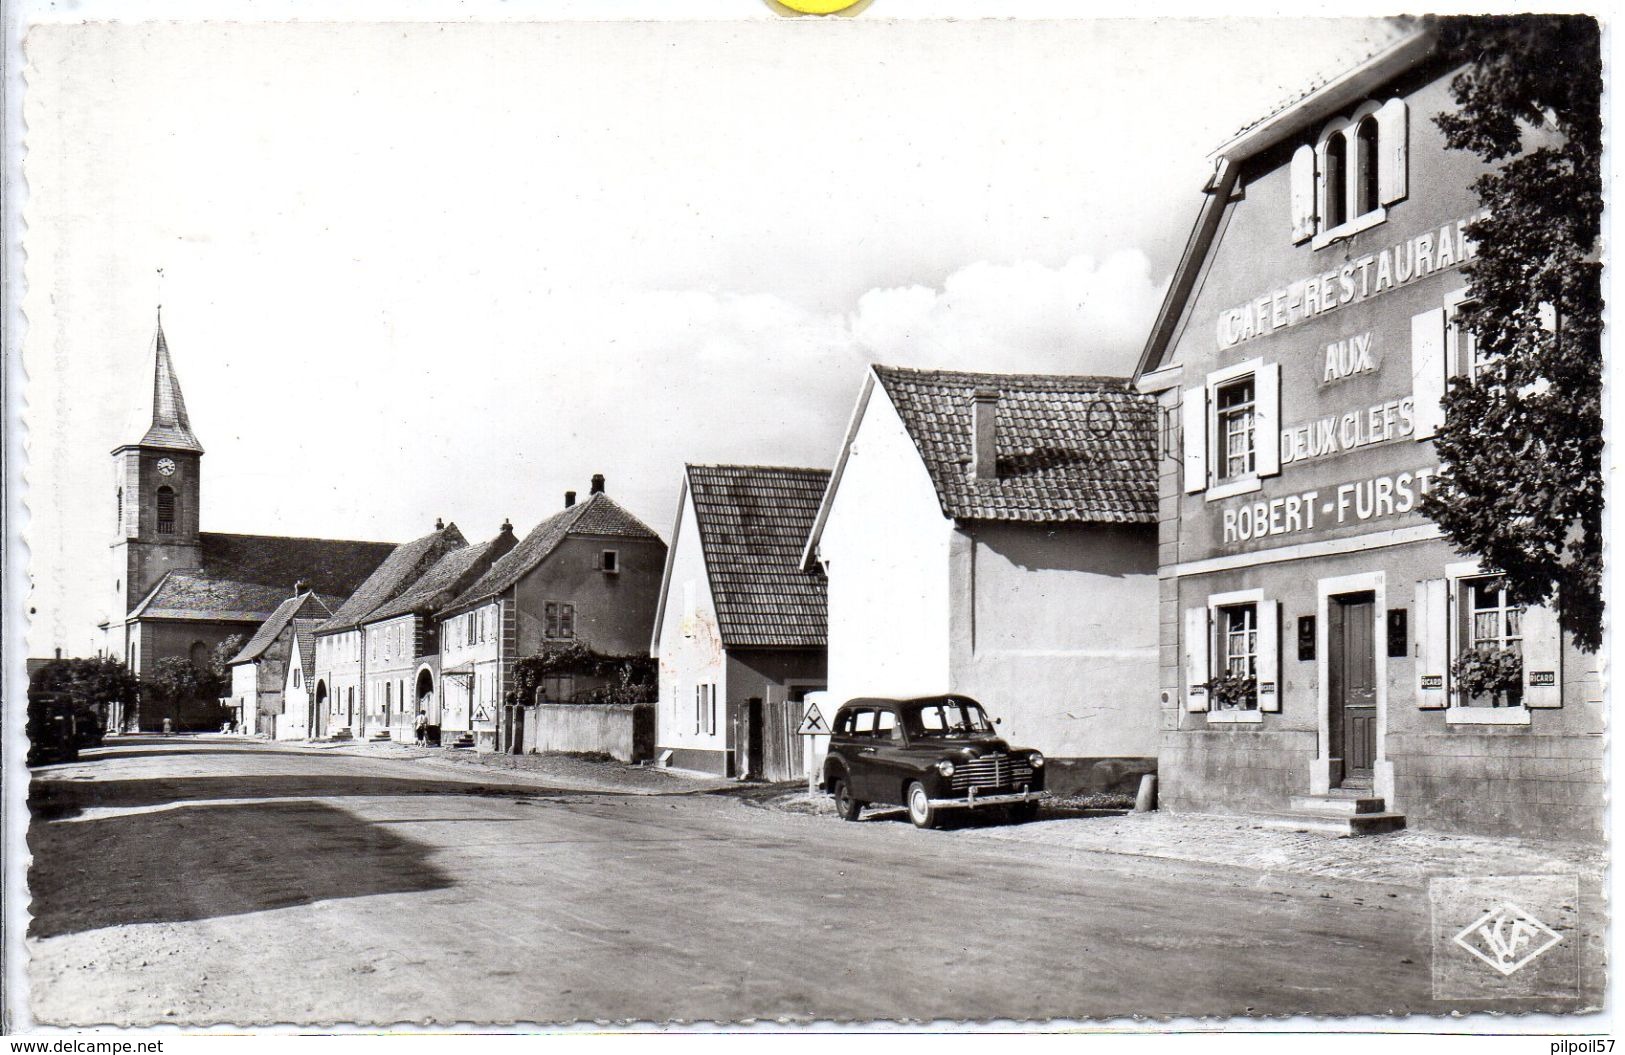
{"x":452,"y":270}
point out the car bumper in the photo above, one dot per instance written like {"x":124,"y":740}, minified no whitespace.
{"x":973,"y":800}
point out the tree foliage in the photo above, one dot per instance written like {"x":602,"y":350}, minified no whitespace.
{"x":175,"y":680}
{"x":1520,"y":482}
{"x":93,"y":684}
{"x":631,"y":677}
{"x":222,"y":656}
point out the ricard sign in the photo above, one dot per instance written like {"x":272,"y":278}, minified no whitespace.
{"x":1360,"y":279}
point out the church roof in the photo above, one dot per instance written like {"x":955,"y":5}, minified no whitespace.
{"x":166,"y":423}
{"x":599,"y":515}
{"x":306,"y":604}
{"x":396,"y":574}
{"x":247,"y":577}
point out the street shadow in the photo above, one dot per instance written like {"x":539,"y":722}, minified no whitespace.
{"x":205,"y":861}
{"x":53,"y":800}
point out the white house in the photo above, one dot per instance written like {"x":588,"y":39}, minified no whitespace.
{"x":995,"y":535}
{"x":740,"y":631}
{"x":298,"y":712}
{"x":260,"y":669}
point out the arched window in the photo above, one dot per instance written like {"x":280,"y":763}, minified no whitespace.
{"x":1335,"y":210}
{"x":1365,"y":166}
{"x":198,"y":654}
{"x":166,"y":510}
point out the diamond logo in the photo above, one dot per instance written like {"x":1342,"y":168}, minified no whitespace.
{"x":1507,"y":937}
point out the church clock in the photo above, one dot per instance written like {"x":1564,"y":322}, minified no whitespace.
{"x":166,"y":466}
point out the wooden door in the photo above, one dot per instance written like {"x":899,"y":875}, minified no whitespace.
{"x":1352,"y":686}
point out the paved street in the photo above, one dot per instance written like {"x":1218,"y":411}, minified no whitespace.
{"x":209,"y":880}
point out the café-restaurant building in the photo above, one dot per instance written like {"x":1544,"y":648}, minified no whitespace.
{"x":1311,"y":618}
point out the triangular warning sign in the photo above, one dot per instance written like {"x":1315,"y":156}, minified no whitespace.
{"x":814,"y":724}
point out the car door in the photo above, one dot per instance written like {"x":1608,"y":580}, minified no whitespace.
{"x":861,"y":754}
{"x":893,"y":765}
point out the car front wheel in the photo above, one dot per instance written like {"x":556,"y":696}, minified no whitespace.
{"x":845,"y":805}
{"x":920,"y":810}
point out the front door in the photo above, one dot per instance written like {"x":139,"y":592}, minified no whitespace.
{"x":1352,"y":686}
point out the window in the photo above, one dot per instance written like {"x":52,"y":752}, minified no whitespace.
{"x":120,"y":524}
{"x":711,"y":694}
{"x":1461,"y":346}
{"x":1493,"y":625}
{"x":1235,"y":407}
{"x":699,"y":707}
{"x":559,"y":620}
{"x":863,"y":723}
{"x":1356,"y":166}
{"x":567,"y":620}
{"x":886,"y":727}
{"x":296,"y":673}
{"x":166,"y":510}
{"x":1238,"y":651}
{"x":1234,"y":637}
{"x":610,"y":561}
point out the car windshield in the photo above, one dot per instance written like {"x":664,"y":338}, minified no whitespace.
{"x":948,"y":718}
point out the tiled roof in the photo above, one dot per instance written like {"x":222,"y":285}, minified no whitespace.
{"x":754,"y":521}
{"x":449,"y":576}
{"x":396,"y":574}
{"x":1080,"y":449}
{"x":305,"y":631}
{"x":305,"y":605}
{"x":598,"y":515}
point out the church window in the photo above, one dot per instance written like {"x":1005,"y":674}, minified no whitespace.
{"x":166,"y":510}
{"x":121,"y":509}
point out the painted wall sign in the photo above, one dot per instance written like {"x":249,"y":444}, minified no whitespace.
{"x":1365,"y":277}
{"x":1348,"y":357}
{"x":1339,"y":433}
{"x":1543,"y":677}
{"x":1353,"y":502}
{"x":1433,"y":681}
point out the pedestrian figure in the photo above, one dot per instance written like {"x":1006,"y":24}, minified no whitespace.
{"x":421,"y":728}
{"x":167,"y":729}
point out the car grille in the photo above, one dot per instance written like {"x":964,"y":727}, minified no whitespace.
{"x":992,"y":771}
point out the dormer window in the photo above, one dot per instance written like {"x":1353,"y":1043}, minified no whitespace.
{"x":1357,"y":166}
{"x":166,"y":510}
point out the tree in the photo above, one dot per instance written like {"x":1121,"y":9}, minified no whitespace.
{"x":1520,"y":481}
{"x":179,"y":681}
{"x":223,"y":655}
{"x":94,"y":684}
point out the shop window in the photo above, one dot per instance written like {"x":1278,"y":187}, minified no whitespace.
{"x":167,"y":509}
{"x":1356,"y":167}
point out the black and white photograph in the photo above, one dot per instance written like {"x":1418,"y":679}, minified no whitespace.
{"x":859,"y":516}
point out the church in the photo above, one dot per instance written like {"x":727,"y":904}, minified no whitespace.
{"x":178,"y":590}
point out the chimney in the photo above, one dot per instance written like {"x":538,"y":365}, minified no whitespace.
{"x":299,"y":587}
{"x":569,"y":499}
{"x":984,"y":458}
{"x":59,"y":653}
{"x":597,"y":483}
{"x":507,"y":526}
{"x":439,"y":524}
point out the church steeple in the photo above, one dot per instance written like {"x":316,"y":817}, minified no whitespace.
{"x":167,"y":424}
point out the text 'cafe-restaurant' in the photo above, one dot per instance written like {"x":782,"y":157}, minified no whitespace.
{"x":1315,"y":626}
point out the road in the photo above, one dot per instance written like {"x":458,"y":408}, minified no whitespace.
{"x":210,"y":881}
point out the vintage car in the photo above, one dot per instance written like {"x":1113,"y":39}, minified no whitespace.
{"x":929,"y":754}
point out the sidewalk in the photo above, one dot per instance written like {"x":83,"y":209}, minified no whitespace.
{"x":1407,"y":858}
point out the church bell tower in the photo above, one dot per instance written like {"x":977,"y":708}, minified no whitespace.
{"x":156,"y":490}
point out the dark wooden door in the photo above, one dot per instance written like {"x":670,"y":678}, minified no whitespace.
{"x":1352,"y":686}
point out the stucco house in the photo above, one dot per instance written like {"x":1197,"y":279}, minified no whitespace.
{"x":740,"y":632}
{"x":402,"y":636}
{"x":259,"y":670}
{"x":298,"y":703}
{"x":589,"y":573}
{"x":995,"y":535}
{"x":357,"y":702}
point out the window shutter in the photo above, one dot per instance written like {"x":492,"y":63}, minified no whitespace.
{"x":1269,"y":657}
{"x":1194,"y":424}
{"x":1432,"y":644}
{"x":1542,"y":658}
{"x":1267,"y":420}
{"x":1303,"y":194}
{"x":1393,"y":152}
{"x":1198,"y":640}
{"x":1428,"y":371}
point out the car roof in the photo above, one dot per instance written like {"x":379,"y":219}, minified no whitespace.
{"x":900,"y":704}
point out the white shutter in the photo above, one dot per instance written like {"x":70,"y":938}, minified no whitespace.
{"x":1193,"y":418}
{"x":1429,"y":370}
{"x":1542,"y":658}
{"x":1267,"y":420}
{"x":1393,"y":152}
{"x":1269,"y":656}
{"x":1198,"y":639}
{"x":1303,"y":194}
{"x":1432,"y":631}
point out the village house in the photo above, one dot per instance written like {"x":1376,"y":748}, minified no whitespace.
{"x":298,"y":715}
{"x":260,"y":669}
{"x":1300,"y":357}
{"x":740,"y":631}
{"x":179,"y":591}
{"x":994,"y":535}
{"x":402,"y":635}
{"x":588,"y":574}
{"x":360,"y":702}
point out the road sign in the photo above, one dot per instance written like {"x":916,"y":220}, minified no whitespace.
{"x":813,"y":724}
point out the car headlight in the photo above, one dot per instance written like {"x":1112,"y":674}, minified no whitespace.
{"x":1036,"y":759}
{"x":946,"y":768}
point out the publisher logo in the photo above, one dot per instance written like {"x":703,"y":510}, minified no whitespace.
{"x":1505,"y":937}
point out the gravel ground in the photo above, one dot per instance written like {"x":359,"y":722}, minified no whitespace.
{"x":1406,"y":857}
